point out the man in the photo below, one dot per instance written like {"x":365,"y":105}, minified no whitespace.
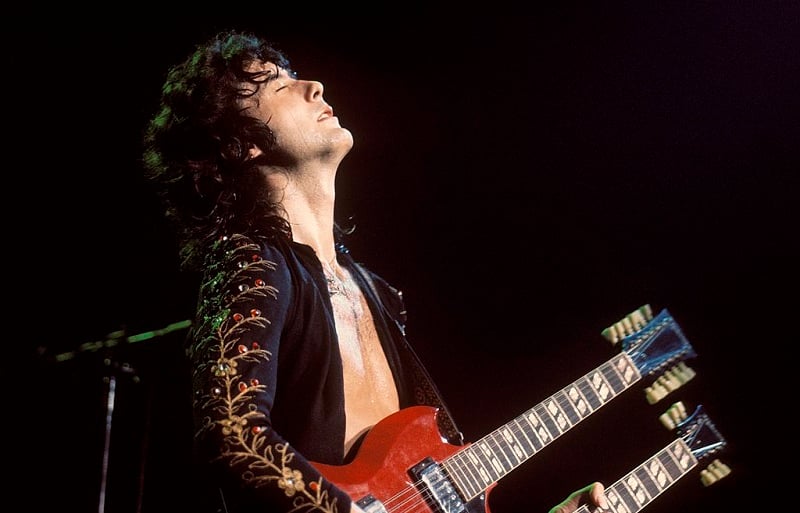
{"x":297,"y":351}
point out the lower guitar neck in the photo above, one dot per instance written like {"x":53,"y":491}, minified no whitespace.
{"x":650,"y":479}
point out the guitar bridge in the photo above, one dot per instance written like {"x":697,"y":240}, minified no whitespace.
{"x":434,"y":484}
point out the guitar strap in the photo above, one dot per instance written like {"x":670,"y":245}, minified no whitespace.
{"x":422,"y":378}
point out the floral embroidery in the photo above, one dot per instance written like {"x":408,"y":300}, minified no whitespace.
{"x":237,"y":272}
{"x":291,"y":482}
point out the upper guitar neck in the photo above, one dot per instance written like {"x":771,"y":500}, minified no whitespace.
{"x":487,"y":460}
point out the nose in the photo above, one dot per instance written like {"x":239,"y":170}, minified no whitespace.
{"x":314,"y":90}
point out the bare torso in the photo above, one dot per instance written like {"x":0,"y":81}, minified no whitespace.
{"x":370,"y":393}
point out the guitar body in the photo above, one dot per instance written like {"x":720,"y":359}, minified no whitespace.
{"x":388,"y":452}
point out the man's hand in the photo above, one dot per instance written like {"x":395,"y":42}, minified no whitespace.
{"x":593,"y":494}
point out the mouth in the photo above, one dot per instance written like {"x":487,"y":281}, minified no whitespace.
{"x":327,"y":113}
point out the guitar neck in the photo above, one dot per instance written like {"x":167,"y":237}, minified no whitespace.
{"x":650,"y":479}
{"x":484,"y":462}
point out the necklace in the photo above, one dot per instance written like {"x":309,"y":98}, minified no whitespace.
{"x":335,"y":284}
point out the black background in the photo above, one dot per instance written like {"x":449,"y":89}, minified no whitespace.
{"x":525,"y":180}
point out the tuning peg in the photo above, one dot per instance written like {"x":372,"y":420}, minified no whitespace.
{"x":715,"y":471}
{"x":683,"y":372}
{"x":671,"y":380}
{"x":629,"y":324}
{"x":674,"y":415}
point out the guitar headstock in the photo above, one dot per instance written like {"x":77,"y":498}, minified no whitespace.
{"x":701,"y":436}
{"x":658,"y":348}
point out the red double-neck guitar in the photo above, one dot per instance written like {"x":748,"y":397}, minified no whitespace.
{"x":404,"y":465}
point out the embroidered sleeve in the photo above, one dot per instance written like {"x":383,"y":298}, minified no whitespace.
{"x":243,"y":301}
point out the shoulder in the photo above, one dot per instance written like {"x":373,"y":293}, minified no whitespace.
{"x":238,"y":252}
{"x":237,"y":262}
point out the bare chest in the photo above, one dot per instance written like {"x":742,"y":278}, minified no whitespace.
{"x":369,"y":389}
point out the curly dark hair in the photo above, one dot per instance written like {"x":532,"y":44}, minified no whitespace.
{"x":196,"y":145}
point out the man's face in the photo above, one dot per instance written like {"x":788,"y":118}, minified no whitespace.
{"x":303,"y":123}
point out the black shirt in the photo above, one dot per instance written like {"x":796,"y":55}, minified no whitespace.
{"x":267,"y":373}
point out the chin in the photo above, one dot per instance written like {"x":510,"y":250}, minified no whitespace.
{"x":345,"y":140}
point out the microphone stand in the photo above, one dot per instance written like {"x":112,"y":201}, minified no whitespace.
{"x":115,"y":339}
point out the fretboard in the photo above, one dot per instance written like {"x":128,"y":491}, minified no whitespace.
{"x":638,"y":488}
{"x":476,"y":467}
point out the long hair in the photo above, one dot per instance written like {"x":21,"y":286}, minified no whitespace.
{"x":196,"y":146}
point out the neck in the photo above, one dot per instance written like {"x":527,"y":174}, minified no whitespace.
{"x":308,"y":198}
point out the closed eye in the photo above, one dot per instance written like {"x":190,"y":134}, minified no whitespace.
{"x":286,"y":78}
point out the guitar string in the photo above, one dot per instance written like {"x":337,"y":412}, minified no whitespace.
{"x":583,"y":386}
{"x":409,"y":504}
{"x":417,"y":498}
{"x":490,"y":439}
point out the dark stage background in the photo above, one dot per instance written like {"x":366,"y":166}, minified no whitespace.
{"x":525,"y":180}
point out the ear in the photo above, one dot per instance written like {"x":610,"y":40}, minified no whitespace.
{"x":253,"y":152}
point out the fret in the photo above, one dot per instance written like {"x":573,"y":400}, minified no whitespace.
{"x":463,"y":475}
{"x":658,"y":473}
{"x":683,"y":456}
{"x":626,"y":370}
{"x":578,"y":401}
{"x":652,"y":478}
{"x":620,"y":500}
{"x":600,"y":385}
{"x":566,"y":406}
{"x":542,"y":417}
{"x":637,"y":490}
{"x":613,"y":378}
{"x":589,"y":393}
{"x":548,"y":420}
{"x":478,"y":466}
{"x":487,"y":457}
{"x":499,"y":450}
{"x":470,"y":481}
{"x":460,"y":474}
{"x":554,"y":407}
{"x":538,"y":435}
{"x":512,"y":442}
{"x":525,"y":441}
